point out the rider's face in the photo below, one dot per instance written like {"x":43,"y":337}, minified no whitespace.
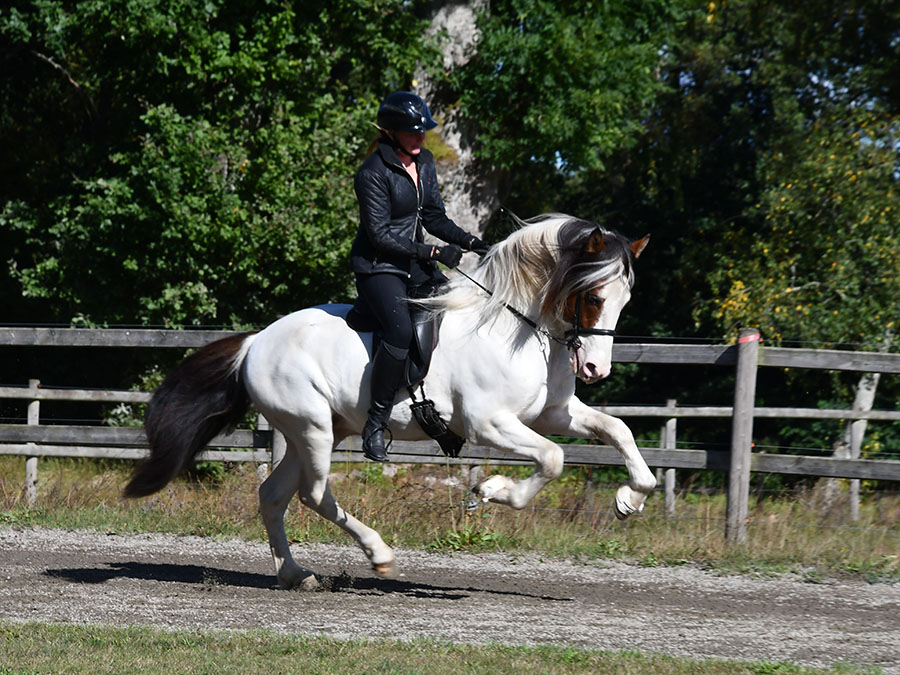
{"x":410,"y":141}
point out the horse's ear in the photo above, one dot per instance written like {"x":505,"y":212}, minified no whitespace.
{"x":637,"y":247}
{"x":595,"y":242}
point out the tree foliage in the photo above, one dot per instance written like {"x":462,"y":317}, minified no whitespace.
{"x":807,"y":250}
{"x":181,"y":162}
{"x":177,"y":162}
{"x":561,"y":84}
{"x":822,"y":262}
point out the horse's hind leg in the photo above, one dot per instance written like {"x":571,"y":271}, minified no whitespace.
{"x":274,"y":496}
{"x":315,"y":492}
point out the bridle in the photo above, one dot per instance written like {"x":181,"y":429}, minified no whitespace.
{"x":571,"y":338}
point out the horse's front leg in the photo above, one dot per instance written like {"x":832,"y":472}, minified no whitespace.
{"x":506,"y":432}
{"x":577,"y":419}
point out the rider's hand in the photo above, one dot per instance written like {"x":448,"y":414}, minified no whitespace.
{"x":424,"y":252}
{"x":478,"y":246}
{"x":449,"y":254}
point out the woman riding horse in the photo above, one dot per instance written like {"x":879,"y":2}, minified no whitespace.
{"x":503,"y":377}
{"x":398,"y":197}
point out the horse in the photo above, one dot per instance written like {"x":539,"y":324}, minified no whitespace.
{"x":538,"y":311}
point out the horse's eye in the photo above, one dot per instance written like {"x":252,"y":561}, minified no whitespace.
{"x":594,"y":300}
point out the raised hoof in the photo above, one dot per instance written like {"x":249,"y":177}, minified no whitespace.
{"x":386,"y":570}
{"x":622,"y":505}
{"x":621,"y":515}
{"x":492,"y":488}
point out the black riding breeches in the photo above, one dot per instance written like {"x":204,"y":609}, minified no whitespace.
{"x":386,"y":294}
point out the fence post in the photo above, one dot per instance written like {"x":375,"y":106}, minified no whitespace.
{"x":31,"y":464}
{"x":669,"y":435}
{"x":741,"y":436}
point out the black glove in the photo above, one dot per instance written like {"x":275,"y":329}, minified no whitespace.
{"x":424,"y":252}
{"x":449,"y":254}
{"x":478,"y":246}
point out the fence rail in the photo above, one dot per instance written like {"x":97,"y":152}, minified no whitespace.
{"x":255,"y":446}
{"x":35,"y":439}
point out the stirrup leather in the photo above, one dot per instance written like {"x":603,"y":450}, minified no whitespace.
{"x":433,"y":425}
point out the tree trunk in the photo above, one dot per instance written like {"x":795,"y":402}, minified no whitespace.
{"x":848,"y":445}
{"x":469,"y":188}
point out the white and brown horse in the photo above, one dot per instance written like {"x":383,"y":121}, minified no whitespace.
{"x":499,"y":378}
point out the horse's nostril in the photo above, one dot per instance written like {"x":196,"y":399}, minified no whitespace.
{"x":593,"y":371}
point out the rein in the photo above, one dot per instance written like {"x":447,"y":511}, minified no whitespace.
{"x":571,"y":338}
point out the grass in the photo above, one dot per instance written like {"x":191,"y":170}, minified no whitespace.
{"x":55,"y":648}
{"x":425,"y":507}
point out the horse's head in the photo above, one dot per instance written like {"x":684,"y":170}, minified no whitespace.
{"x":587,"y":291}
{"x":573,"y":275}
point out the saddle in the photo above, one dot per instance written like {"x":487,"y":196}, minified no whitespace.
{"x":425,"y":338}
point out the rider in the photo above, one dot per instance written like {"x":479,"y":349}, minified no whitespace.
{"x":398,"y":196}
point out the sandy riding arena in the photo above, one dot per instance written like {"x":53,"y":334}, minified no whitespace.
{"x":187,"y":582}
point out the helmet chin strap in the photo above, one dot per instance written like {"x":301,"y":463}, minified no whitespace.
{"x":398,"y":147}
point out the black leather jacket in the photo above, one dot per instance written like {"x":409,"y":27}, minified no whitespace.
{"x":392,"y":213}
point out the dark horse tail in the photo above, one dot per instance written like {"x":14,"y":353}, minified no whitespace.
{"x":202,"y":396}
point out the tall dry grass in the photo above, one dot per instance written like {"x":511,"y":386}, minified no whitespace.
{"x":428,"y":507}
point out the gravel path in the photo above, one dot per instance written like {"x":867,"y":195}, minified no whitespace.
{"x":188,"y":582}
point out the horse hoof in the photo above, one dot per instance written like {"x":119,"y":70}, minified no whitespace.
{"x":291,"y":576}
{"x":622,"y":504}
{"x":387,"y":570}
{"x":305,"y":583}
{"x":310,"y":583}
{"x":620,"y":513}
{"x":490,"y":488}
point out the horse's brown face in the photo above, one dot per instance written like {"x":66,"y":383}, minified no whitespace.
{"x":600,"y":307}
{"x":589,"y":312}
{"x":602,"y":261}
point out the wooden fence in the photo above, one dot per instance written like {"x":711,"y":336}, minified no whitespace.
{"x":262,"y":445}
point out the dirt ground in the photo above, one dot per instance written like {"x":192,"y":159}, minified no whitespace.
{"x":188,"y":582}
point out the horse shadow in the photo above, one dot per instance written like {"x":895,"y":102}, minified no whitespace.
{"x":210,"y":576}
{"x":164,"y":572}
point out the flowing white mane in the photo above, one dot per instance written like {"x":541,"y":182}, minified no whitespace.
{"x":539,"y":258}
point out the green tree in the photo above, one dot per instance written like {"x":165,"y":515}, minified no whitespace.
{"x":760,"y":96}
{"x":180,"y":162}
{"x":823,"y":263}
{"x":747,"y":82}
{"x":561,"y":85}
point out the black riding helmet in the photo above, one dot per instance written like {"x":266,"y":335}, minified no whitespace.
{"x":404,"y":111}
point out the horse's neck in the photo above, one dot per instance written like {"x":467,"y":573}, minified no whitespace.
{"x":507,"y":332}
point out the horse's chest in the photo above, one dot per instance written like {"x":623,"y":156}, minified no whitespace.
{"x":531,"y":399}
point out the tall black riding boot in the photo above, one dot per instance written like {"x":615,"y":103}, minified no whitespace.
{"x":387,"y":373}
